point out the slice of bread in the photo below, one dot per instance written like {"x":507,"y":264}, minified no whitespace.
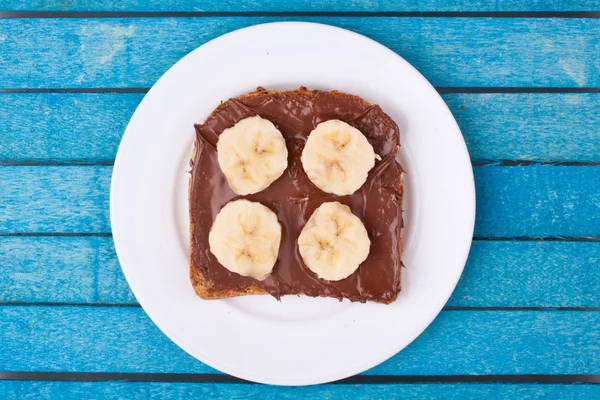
{"x":378,"y":278}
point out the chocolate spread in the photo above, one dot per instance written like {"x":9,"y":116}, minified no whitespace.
{"x":293,"y":197}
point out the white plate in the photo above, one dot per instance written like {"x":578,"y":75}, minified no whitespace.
{"x":300,"y":340}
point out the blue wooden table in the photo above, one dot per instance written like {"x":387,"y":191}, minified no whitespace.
{"x":522,"y":80}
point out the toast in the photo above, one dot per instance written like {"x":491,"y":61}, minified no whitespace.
{"x":378,"y":203}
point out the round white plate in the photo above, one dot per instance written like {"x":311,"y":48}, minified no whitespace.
{"x":299,"y":340}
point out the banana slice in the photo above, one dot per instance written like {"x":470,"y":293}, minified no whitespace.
{"x":245,"y":238}
{"x":252,"y":155}
{"x":334,"y":242}
{"x":337,"y":157}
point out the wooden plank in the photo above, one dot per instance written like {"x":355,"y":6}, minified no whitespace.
{"x":536,"y":200}
{"x":40,"y":390}
{"x":62,"y":270}
{"x":544,"y":127}
{"x":123,"y":339}
{"x":530,"y":274}
{"x":134,"y":52}
{"x":54,"y":199}
{"x":498,"y":274}
{"x":84,"y":127}
{"x":299,"y":6}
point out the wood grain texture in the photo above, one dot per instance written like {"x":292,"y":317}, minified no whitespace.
{"x":530,"y":274}
{"x":62,"y":270}
{"x":123,"y":339}
{"x":498,"y":274}
{"x":541,"y":127}
{"x":537,"y":200}
{"x":64,"y":126}
{"x":465,"y":52}
{"x":87,"y":127}
{"x":54,"y":199}
{"x":298,"y":5}
{"x":27,"y":390}
{"x":451,"y":52}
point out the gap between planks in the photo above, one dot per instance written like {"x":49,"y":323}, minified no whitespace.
{"x":491,"y":90}
{"x":497,"y":163}
{"x":443,"y":14}
{"x":476,"y":238}
{"x":447,"y":308}
{"x":362,"y":379}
